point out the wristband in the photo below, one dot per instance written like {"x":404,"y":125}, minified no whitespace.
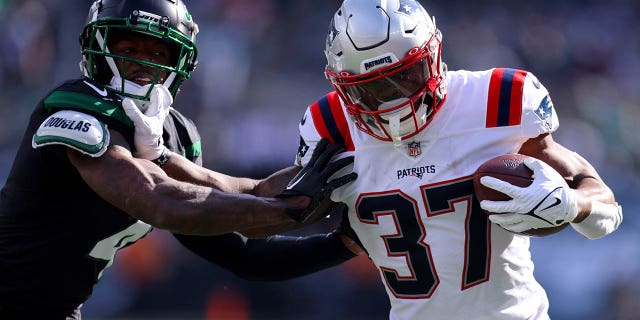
{"x":163,"y":158}
{"x":603,"y":219}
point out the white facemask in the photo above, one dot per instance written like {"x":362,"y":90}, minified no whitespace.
{"x":397,"y":127}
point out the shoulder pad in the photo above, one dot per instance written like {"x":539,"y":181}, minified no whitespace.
{"x":87,"y":95}
{"x":73,"y":129}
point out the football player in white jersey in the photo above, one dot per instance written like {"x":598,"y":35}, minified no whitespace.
{"x":418,"y":132}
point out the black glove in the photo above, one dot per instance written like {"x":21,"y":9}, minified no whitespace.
{"x":312,"y":182}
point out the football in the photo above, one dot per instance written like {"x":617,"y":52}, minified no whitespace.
{"x":509,"y":168}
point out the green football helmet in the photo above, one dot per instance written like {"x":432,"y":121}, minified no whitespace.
{"x":168,"y":20}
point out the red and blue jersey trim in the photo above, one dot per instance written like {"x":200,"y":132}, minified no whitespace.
{"x":504,"y":105}
{"x":330,"y":121}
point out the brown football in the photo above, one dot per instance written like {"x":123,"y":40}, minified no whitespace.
{"x":509,"y":168}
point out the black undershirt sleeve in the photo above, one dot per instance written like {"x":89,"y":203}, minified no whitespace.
{"x":270,"y":259}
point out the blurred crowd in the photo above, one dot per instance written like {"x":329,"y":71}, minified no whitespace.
{"x":261,"y":63}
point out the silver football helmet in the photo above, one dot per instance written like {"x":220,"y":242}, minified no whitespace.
{"x":384,"y":60}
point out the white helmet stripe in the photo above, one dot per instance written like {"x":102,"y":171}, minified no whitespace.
{"x":103,"y":46}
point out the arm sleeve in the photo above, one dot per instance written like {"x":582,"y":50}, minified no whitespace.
{"x":270,"y":259}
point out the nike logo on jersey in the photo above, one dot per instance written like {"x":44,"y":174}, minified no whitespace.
{"x":102,"y":92}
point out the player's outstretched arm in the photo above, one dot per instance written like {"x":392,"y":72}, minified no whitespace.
{"x":149,"y":145}
{"x":313,"y":181}
{"x":145,"y":191}
{"x":180,"y":168}
{"x":148,"y":141}
{"x":278,"y":257}
{"x":273,"y":258}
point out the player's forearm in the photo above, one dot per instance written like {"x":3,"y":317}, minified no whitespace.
{"x":270,"y":230}
{"x":144,"y":191}
{"x":276,"y":182}
{"x":191,"y":209}
{"x":272,"y":259}
{"x":599,"y":213}
{"x":182,"y":169}
{"x":286,"y":257}
{"x":589,"y":190}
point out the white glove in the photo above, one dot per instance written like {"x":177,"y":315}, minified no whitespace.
{"x":547,"y":202}
{"x":149,"y":125}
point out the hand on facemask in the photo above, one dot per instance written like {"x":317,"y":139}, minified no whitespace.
{"x":149,"y":124}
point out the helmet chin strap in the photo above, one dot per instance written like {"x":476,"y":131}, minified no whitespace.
{"x":394,"y":129}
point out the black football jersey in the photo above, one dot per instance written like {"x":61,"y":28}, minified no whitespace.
{"x":50,"y":217}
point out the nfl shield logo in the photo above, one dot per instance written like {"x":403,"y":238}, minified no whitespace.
{"x":414,"y":149}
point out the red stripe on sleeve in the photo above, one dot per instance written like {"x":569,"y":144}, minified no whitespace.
{"x":517,"y":87}
{"x":341,"y":120}
{"x":493,"y":101}
{"x":321,"y":127}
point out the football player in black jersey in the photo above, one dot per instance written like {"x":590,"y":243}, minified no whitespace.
{"x":76,"y":193}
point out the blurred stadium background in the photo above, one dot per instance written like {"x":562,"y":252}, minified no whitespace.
{"x":261,"y":64}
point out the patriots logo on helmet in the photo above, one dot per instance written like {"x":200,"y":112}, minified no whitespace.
{"x":333,"y":32}
{"x":408,"y":7}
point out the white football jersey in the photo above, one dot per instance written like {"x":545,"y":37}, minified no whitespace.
{"x":413,"y":207}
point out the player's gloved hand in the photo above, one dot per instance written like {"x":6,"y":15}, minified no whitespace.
{"x":547,"y":202}
{"x":312,"y":181}
{"x":149,"y":125}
